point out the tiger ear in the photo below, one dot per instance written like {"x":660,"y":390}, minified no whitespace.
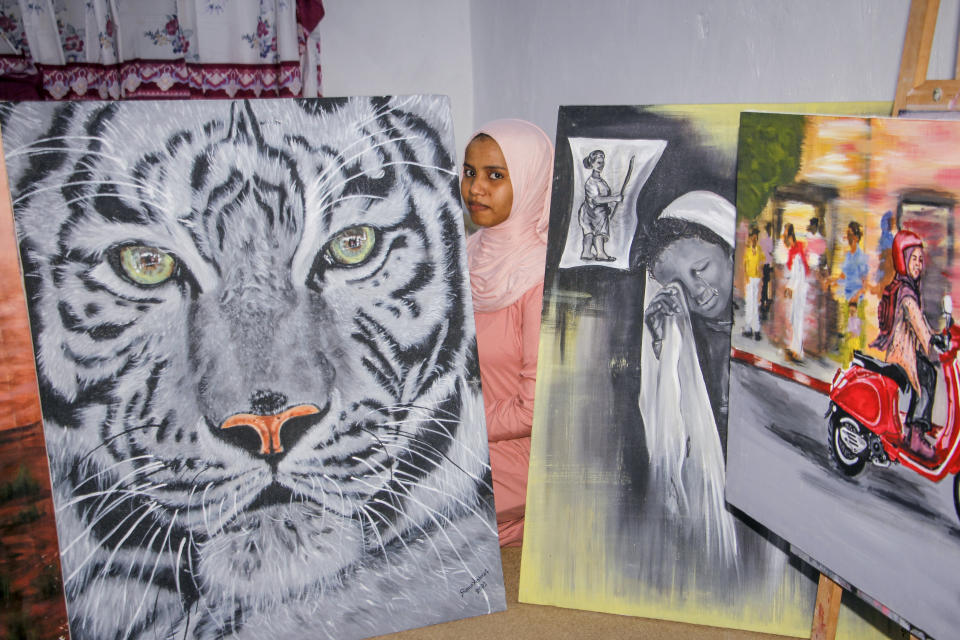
{"x":244,"y":125}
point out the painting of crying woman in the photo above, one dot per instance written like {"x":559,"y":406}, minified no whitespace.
{"x":626,"y":510}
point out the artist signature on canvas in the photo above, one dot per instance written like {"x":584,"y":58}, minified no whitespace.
{"x":477,"y":584}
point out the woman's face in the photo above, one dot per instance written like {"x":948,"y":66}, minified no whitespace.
{"x":852,"y":239}
{"x":704,"y":271}
{"x":485,"y":186}
{"x":915,"y":263}
{"x":598,"y":161}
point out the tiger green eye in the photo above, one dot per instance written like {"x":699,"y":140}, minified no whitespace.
{"x":352,"y":246}
{"x":146,"y":265}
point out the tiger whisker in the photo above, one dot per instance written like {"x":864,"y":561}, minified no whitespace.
{"x":378,"y":113}
{"x":332,"y":204}
{"x":149,"y":509}
{"x":396,"y":533}
{"x":138,"y":491}
{"x":109,"y":498}
{"x":27,"y":147}
{"x":335,"y":188}
{"x":373,"y":527}
{"x":319,"y":182}
{"x":419,"y":426}
{"x":107,"y":469}
{"x":203,"y":507}
{"x":94,"y":196}
{"x":153,"y":573}
{"x":420,"y":454}
{"x":414,"y":482}
{"x":429,"y":510}
{"x":120,"y":482}
{"x":454,"y":418}
{"x":75,"y":183}
{"x":103,"y":513}
{"x":40,"y":151}
{"x":176,"y":567}
{"x":439,"y":453}
{"x":343,"y":501}
{"x":426,"y":536}
{"x":432,"y":513}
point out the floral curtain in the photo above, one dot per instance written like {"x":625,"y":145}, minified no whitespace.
{"x":122,"y":49}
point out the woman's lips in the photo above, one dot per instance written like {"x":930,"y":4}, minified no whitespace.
{"x":706,"y":299}
{"x":476,"y":206}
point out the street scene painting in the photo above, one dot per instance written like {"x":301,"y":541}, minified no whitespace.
{"x":844,"y":403}
{"x":625,"y":503}
{"x":256,"y":362}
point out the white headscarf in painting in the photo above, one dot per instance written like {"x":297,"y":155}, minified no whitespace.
{"x":686,"y":456}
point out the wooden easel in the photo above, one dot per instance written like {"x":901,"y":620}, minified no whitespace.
{"x":914,"y":93}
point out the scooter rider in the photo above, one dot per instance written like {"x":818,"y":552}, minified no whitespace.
{"x":908,"y":340}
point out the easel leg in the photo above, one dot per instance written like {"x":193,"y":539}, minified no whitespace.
{"x":827,"y":611}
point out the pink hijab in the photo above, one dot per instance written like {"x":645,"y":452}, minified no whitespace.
{"x":508,"y":259}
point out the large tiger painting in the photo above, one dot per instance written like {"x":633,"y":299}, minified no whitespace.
{"x":257,"y":365}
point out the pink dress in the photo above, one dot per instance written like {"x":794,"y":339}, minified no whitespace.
{"x":507,"y":342}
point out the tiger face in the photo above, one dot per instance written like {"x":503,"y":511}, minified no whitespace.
{"x":254,"y":347}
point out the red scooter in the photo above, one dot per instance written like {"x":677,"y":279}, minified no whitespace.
{"x":866,"y":422}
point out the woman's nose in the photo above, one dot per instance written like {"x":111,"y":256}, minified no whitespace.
{"x":475,"y":186}
{"x":694,"y":284}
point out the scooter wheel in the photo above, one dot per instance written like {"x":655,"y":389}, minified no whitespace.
{"x":848,"y":461}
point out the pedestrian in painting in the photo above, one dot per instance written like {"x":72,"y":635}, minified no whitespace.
{"x":853,"y":282}
{"x":766,"y":245}
{"x":885,"y":269}
{"x":908,"y":340}
{"x":685,"y":349}
{"x":597,"y":208}
{"x":507,"y":171}
{"x":816,"y":245}
{"x":753,"y":263}
{"x":796,"y":292}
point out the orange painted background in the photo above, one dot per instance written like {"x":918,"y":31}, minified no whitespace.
{"x":31,"y":593}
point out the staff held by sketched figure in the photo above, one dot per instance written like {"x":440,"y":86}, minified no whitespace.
{"x":597,"y":208}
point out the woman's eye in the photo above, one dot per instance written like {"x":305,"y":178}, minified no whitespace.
{"x":468,"y":173}
{"x":496,"y":175}
{"x":146,"y":266}
{"x":352,"y":246}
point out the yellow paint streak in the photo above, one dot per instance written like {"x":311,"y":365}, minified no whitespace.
{"x":569,"y":558}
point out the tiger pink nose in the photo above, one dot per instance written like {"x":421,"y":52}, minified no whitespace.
{"x":268,"y":426}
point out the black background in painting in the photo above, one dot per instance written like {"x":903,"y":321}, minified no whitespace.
{"x":688,"y":163}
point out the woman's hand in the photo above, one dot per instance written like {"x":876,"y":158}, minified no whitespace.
{"x":666,"y":303}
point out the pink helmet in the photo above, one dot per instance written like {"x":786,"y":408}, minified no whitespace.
{"x":902,"y":242}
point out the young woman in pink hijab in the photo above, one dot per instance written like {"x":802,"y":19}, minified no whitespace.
{"x":507,"y":171}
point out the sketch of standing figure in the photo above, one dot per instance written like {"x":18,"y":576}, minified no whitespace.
{"x":597,"y":208}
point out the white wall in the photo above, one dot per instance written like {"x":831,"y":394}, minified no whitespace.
{"x":524,"y":58}
{"x":555,"y":52}
{"x":382,"y":47}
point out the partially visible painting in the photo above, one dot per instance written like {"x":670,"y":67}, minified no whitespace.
{"x":257,"y":365}
{"x":626,"y":510}
{"x":844,"y":384}
{"x":31,"y":591}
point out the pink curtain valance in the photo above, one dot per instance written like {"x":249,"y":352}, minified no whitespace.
{"x":102,"y":49}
